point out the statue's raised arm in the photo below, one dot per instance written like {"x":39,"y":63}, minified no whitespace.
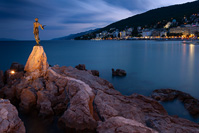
{"x":36,"y":30}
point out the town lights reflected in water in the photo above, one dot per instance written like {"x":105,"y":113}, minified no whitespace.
{"x":191,"y":59}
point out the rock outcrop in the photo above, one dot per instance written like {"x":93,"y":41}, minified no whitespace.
{"x":85,"y":102}
{"x":9,"y":120}
{"x":37,"y":62}
{"x":121,"y":125}
{"x":190,"y":103}
{"x":118,"y":72}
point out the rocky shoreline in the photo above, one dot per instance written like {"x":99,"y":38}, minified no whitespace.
{"x":77,"y":100}
{"x":190,"y":103}
{"x":83,"y":102}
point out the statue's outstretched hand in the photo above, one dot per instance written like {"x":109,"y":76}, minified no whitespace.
{"x":43,"y":27}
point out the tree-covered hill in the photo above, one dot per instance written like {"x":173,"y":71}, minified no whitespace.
{"x":156,"y":16}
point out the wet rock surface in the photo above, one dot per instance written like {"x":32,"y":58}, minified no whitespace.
{"x":9,"y":120}
{"x":84,"y":102}
{"x":190,"y":103}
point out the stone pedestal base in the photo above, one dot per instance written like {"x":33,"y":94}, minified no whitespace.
{"x":37,"y":61}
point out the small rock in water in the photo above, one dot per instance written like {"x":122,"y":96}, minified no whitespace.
{"x":81,"y":67}
{"x":95,"y":72}
{"x":118,"y":72}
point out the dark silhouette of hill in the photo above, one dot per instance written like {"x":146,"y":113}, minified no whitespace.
{"x":72,"y":36}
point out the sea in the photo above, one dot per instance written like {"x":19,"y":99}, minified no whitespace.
{"x":150,"y":64}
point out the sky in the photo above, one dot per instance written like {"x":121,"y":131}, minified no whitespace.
{"x":64,"y":17}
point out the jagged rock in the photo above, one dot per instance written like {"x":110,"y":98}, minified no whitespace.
{"x":9,"y":120}
{"x":28,"y":100}
{"x":81,"y":67}
{"x":38,"y":84}
{"x":86,"y":102}
{"x":122,"y":125}
{"x":17,"y":67}
{"x":23,"y":84}
{"x":118,"y":72}
{"x":51,"y":87}
{"x":79,"y":114}
{"x":44,"y":104}
{"x":190,"y":103}
{"x":37,"y":61}
{"x":1,"y":79}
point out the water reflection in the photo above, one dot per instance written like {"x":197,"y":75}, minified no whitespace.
{"x":191,"y":61}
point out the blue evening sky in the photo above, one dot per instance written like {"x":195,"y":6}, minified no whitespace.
{"x":64,"y":17}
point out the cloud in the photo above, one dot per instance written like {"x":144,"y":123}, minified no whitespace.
{"x":64,"y":17}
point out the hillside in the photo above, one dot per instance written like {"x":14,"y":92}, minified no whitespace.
{"x":152,"y":17}
{"x":72,"y":36}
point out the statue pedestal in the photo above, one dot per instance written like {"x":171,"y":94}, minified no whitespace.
{"x":37,"y":61}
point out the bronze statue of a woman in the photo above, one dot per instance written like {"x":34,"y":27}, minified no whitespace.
{"x":36,"y":31}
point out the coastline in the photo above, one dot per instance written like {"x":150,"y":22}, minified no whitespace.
{"x":59,"y":92}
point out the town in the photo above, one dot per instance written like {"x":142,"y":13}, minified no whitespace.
{"x":186,"y":28}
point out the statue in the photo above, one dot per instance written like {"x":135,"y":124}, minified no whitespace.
{"x":36,"y":31}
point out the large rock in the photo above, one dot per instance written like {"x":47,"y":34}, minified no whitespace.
{"x":190,"y":103}
{"x":9,"y":120}
{"x":37,"y":60}
{"x":44,"y":104}
{"x":28,"y":100}
{"x":122,"y":125}
{"x":85,"y":102}
{"x":79,"y":114}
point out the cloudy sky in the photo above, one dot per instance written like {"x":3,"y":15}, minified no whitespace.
{"x":64,"y":17}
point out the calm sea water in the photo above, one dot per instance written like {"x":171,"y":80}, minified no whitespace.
{"x":149,"y":65}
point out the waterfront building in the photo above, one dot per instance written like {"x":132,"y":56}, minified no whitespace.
{"x":147,"y":32}
{"x":129,"y":31}
{"x":123,"y":34}
{"x":186,"y":30}
{"x":167,"y":25}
